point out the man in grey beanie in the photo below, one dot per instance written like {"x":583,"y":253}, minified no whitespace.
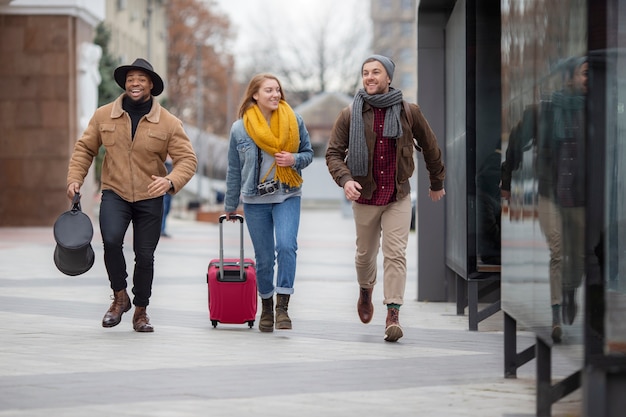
{"x":376,"y":133}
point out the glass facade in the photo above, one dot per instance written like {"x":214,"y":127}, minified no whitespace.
{"x":543,"y":173}
{"x":610,"y":63}
{"x":535,"y":143}
{"x":563,"y":122}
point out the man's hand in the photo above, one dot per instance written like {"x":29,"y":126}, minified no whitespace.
{"x":73,"y":189}
{"x":352,"y":190}
{"x":436,"y":195}
{"x":158,"y":186}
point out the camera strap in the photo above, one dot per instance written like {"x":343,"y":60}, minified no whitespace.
{"x":268,"y":172}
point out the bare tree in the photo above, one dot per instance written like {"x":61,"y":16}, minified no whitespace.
{"x":323,"y":54}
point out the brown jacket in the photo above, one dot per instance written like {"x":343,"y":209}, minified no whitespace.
{"x":129,"y":163}
{"x":405,"y":165}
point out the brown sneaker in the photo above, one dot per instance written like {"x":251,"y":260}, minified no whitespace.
{"x":393,"y":331}
{"x":141,"y":321}
{"x":365,"y":307}
{"x":119,"y":306}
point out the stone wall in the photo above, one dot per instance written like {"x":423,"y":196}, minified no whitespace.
{"x":38,"y":116}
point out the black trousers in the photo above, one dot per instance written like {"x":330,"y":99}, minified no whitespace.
{"x":116,"y":214}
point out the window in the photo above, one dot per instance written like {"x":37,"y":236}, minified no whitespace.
{"x":407,"y":5}
{"x":407,"y":81}
{"x":386,"y":30}
{"x":406,"y":29}
{"x":407,"y":56}
{"x":386,"y":4}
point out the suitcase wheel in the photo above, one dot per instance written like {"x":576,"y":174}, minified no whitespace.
{"x":214,"y":323}
{"x":251,"y":323}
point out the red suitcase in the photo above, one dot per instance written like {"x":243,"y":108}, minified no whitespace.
{"x":232,"y":288}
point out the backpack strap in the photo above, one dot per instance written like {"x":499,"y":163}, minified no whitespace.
{"x":407,"y":110}
{"x":409,"y":116}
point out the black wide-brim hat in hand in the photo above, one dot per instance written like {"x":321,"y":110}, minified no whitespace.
{"x":73,"y":254}
{"x":140,"y":64}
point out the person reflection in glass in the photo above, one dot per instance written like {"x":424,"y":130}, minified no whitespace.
{"x":535,"y":129}
{"x":568,"y":108}
{"x":488,"y":206}
{"x":558,"y":126}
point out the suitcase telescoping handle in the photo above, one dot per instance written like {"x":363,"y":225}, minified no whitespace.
{"x":221,"y":226}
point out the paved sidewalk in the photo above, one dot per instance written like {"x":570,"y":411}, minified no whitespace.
{"x":57,"y":360}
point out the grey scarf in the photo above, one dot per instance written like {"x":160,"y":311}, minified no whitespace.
{"x":357,"y":148}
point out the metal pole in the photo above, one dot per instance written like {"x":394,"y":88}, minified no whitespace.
{"x":199,"y":118}
{"x":149,"y":31}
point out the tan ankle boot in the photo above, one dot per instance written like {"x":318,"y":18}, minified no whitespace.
{"x":393,"y":331}
{"x":266,"y":322}
{"x":119,"y":306}
{"x":141,"y":321}
{"x":283,"y":321}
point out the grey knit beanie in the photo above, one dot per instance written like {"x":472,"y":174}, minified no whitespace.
{"x":387,"y":63}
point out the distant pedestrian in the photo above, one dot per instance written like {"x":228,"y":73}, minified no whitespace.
{"x":269,"y":146}
{"x":167,"y":200}
{"x":371,"y":156}
{"x":138,"y":134}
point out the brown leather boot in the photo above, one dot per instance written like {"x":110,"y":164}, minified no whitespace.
{"x":283,"y":322}
{"x":266,"y":322}
{"x":365,"y":306}
{"x":141,"y":321}
{"x":119,"y":306}
{"x":393,"y":331}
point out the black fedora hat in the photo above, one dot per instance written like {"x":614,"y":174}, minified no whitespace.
{"x":140,"y":64}
{"x":73,"y":254}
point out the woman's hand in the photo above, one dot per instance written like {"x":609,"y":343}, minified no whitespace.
{"x":284,"y":159}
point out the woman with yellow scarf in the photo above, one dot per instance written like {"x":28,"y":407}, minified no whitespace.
{"x":269,"y":146}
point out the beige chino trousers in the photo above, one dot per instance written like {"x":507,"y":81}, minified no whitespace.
{"x":550,"y":224}
{"x":393,"y":222}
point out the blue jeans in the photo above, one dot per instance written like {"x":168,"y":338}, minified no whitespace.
{"x":167,"y":204}
{"x":274,"y":232}
{"x":115,"y":217}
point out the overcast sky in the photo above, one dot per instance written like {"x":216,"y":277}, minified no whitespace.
{"x":285,"y":17}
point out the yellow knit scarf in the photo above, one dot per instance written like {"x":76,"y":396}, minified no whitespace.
{"x":282,"y":134}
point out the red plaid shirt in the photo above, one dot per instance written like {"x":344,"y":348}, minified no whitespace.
{"x":384,"y":165}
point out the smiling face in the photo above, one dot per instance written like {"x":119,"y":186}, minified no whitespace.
{"x":268,"y":96}
{"x":375,"y":78}
{"x":138,"y":85}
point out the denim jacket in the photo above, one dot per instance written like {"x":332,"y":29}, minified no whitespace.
{"x":244,"y":162}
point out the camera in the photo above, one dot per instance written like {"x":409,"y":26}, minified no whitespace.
{"x":268,"y":187}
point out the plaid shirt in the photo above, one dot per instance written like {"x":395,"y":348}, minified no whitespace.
{"x":384,"y":165}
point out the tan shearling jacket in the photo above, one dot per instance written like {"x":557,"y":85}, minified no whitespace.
{"x":419,"y":129}
{"x":129,"y":163}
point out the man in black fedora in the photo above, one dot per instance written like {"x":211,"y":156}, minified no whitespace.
{"x":137,"y":134}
